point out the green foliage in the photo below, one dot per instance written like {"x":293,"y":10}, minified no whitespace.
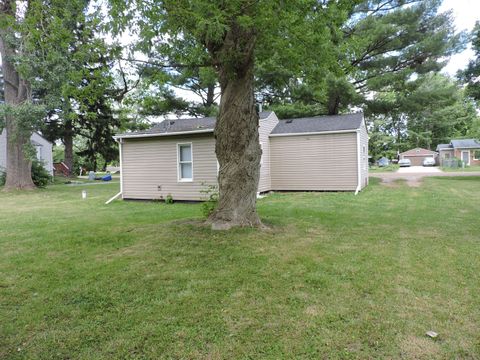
{"x":28,"y":116}
{"x":471,"y":75}
{"x":41,"y":178}
{"x":210,"y":193}
{"x":169,"y":199}
{"x":424,"y":112}
{"x":377,"y":46}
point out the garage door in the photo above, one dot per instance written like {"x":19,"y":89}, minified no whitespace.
{"x":416,"y":160}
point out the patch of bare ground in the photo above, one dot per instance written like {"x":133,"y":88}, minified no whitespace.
{"x":392,"y":183}
{"x":419,"y":347}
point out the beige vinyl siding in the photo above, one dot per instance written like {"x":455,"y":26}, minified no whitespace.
{"x":266,"y":127}
{"x":152,"y":162}
{"x":364,"y":156}
{"x":314,"y":162}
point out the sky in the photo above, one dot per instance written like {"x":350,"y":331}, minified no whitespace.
{"x":466,"y":12}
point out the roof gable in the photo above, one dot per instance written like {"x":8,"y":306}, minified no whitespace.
{"x":418,"y":152}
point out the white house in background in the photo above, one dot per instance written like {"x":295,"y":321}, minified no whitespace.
{"x":177,"y":157}
{"x":42,"y":146}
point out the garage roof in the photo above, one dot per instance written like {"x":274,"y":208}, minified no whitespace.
{"x":331,"y":123}
{"x":418,"y":152}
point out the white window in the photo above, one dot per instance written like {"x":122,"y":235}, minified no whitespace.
{"x":39,"y":153}
{"x":185,"y":162}
{"x":364,"y":152}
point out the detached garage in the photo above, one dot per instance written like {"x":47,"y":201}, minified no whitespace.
{"x":417,"y":155}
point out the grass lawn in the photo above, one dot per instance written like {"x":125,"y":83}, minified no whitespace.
{"x":465,"y":169}
{"x":378,"y":169}
{"x":337,"y":276}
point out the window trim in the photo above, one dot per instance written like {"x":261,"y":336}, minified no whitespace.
{"x":179,"y":171}
{"x":474,"y":153}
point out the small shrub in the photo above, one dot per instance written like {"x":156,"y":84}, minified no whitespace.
{"x":211,"y":199}
{"x":40,"y":176}
{"x":3,"y":177}
{"x":169,"y":199}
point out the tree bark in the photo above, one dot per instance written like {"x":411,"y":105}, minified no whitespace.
{"x":236,"y":132}
{"x":210,"y":96}
{"x":16,"y":89}
{"x":333,"y":105}
{"x":68,"y":143}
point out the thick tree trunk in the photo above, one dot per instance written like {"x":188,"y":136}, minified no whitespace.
{"x":19,"y":173}
{"x":237,"y":141}
{"x":334,"y":105}
{"x":68,"y":143}
{"x":210,"y":95}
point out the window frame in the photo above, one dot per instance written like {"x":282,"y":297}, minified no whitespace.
{"x":179,"y":163}
{"x":475,"y":154}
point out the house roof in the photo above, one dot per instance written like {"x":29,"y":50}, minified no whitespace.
{"x":443,"y":146}
{"x":181,"y":126}
{"x":466,"y":144}
{"x":331,"y":123}
{"x":460,"y":143}
{"x":418,"y":152}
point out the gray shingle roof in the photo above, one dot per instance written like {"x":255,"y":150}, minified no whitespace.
{"x":466,"y":144}
{"x":319,"y":124}
{"x":192,"y":125}
{"x":443,"y":146}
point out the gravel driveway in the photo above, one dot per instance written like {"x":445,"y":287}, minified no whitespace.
{"x":414,"y":174}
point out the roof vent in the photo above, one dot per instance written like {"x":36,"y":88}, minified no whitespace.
{"x":289,"y":121}
{"x":171,"y":123}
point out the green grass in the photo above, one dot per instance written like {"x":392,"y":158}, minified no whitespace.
{"x":389,"y":168}
{"x":337,"y":276}
{"x":465,"y":169}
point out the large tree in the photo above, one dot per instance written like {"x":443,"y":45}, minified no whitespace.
{"x":383,"y":41}
{"x":424,"y":112}
{"x":17,"y":96}
{"x":471,"y":75}
{"x":230,"y":37}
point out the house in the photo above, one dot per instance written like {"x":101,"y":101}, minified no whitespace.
{"x":177,"y":157}
{"x":467,"y":150}
{"x":42,"y":146}
{"x":417,"y":155}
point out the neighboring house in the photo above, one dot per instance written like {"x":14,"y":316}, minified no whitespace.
{"x":467,"y":150}
{"x":417,"y":155}
{"x":42,"y":146}
{"x":177,"y":157}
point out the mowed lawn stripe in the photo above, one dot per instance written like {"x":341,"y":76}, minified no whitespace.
{"x":334,"y":276}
